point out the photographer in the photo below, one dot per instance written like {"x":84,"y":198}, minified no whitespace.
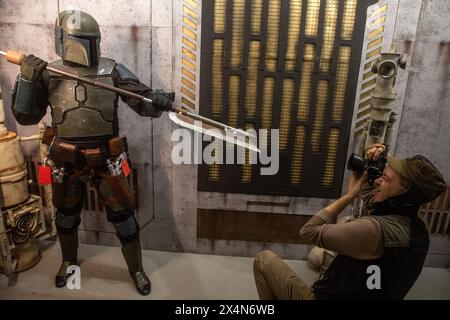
{"x":390,"y":236}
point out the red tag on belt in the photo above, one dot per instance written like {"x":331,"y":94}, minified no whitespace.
{"x":45,"y":175}
{"x":126,"y":168}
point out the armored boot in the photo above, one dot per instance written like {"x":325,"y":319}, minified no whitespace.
{"x":132,"y":253}
{"x":69,"y":246}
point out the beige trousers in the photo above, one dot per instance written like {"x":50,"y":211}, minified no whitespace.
{"x":276,"y":280}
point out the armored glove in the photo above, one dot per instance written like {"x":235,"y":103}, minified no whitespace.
{"x":163,"y":100}
{"x":31,"y":68}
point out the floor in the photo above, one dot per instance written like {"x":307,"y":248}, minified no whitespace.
{"x":173,"y":276}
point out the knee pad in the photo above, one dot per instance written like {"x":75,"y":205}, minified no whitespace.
{"x":126,"y":225}
{"x":67,"y":220}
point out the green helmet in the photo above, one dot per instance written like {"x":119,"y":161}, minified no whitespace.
{"x":77,"y":38}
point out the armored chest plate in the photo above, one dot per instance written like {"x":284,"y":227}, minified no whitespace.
{"x":79,"y":109}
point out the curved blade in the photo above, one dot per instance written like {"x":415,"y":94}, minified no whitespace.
{"x":215,"y":129}
{"x":207,"y":121}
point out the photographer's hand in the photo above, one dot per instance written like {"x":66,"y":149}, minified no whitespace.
{"x":374,"y":151}
{"x":355,"y":184}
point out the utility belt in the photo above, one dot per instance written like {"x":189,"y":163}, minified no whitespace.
{"x":63,"y":151}
{"x":111,"y":154}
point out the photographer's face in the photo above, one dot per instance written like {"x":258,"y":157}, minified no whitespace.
{"x":388,"y":185}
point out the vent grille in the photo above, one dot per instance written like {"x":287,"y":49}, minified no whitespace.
{"x":436,"y":214}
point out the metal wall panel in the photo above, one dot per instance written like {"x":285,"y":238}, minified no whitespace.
{"x":290,"y":65}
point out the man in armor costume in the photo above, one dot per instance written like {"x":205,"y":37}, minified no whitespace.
{"x":84,"y":145}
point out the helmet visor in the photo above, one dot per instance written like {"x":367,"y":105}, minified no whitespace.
{"x":82,"y":50}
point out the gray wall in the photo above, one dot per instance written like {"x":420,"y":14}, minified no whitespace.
{"x":425,"y":123}
{"x":424,"y":126}
{"x":144,"y":35}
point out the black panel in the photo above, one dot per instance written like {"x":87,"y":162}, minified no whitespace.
{"x":313,"y":163}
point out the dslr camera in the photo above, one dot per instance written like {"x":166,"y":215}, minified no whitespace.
{"x":374,"y":168}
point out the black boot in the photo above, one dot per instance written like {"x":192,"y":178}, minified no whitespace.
{"x":132,"y":253}
{"x":69,"y":247}
{"x":62,"y":275}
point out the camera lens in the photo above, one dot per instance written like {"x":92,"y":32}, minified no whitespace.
{"x":374,"y":172}
{"x":356,"y":163}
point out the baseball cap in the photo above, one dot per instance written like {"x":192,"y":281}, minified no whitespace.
{"x":425,"y":176}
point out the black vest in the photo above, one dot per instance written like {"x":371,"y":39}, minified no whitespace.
{"x":400,"y":265}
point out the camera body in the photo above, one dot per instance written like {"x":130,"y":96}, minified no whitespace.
{"x":374,"y":168}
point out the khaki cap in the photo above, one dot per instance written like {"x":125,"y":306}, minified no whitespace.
{"x":418,"y":169}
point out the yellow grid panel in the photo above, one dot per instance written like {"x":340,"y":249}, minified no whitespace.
{"x":364,"y":104}
{"x":329,"y":33}
{"x":246,"y":168}
{"x":220,"y":10}
{"x":255,"y":25}
{"x":189,"y":43}
{"x":285,"y":115}
{"x":363,"y":113}
{"x":188,"y":74}
{"x":188,"y":93}
{"x":188,"y":83}
{"x":267,"y":105}
{"x":188,"y":103}
{"x":366,"y":94}
{"x":379,"y":10}
{"x":368,"y":75}
{"x":312,"y":18}
{"x":189,"y":34}
{"x":188,"y":64}
{"x":341,"y":83}
{"x":192,"y":3}
{"x":273,"y":28}
{"x":233,"y":98}
{"x":252,"y":78}
{"x":375,"y":43}
{"x":361,"y":123}
{"x":217,"y":77}
{"x":266,"y":112}
{"x":189,"y":39}
{"x":189,"y":54}
{"x":237,"y":33}
{"x":319,"y":117}
{"x":368,"y":65}
{"x":372,"y":34}
{"x":333,"y":144}
{"x":348,"y":19}
{"x":368,"y":84}
{"x":190,"y":12}
{"x":359,"y":132}
{"x":373,"y":53}
{"x":214,"y":168}
{"x":189,"y":23}
{"x":377,"y":21}
{"x":297,"y":156}
{"x":295,"y":15}
{"x":305,"y":84}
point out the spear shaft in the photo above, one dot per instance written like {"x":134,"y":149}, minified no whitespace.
{"x":17,"y":58}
